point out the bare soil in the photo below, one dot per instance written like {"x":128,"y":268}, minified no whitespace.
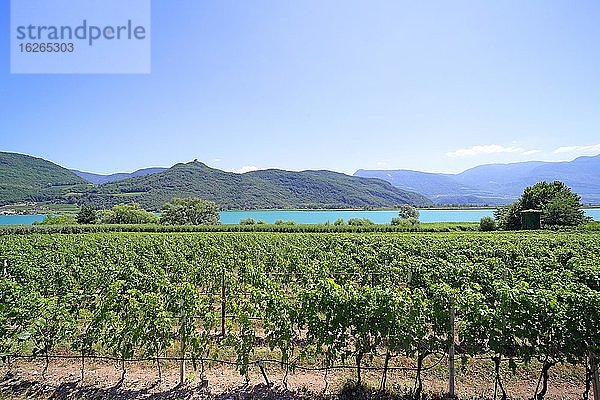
{"x":23,"y":379}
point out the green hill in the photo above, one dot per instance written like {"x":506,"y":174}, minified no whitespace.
{"x":253,"y":190}
{"x":26,"y":178}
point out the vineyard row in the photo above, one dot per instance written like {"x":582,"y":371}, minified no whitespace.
{"x":334,"y":298}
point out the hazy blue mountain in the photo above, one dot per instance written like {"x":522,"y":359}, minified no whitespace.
{"x":495,"y":184}
{"x":98,"y":179}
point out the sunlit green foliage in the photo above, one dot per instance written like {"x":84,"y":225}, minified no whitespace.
{"x":487,"y":224}
{"x":346,"y":297}
{"x":60,"y":219}
{"x":127,"y":214}
{"x":189,"y":211}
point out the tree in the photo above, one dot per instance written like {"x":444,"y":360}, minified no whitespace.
{"x":509,"y":217}
{"x":189,"y":211}
{"x":560,"y":206}
{"x":61,"y":219}
{"x":87,"y":215}
{"x":406,"y":211}
{"x":564,"y":210}
{"x":128,"y":214}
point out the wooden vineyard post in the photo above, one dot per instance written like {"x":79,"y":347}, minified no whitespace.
{"x":451,"y":394}
{"x":223,"y":302}
{"x":182,"y":361}
{"x":595,"y":378}
{"x":182,"y":367}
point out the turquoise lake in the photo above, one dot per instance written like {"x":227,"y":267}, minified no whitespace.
{"x":321,"y":216}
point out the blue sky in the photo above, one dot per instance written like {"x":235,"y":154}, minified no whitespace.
{"x":430,"y":85}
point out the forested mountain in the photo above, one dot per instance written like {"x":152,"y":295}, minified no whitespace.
{"x":26,"y":178}
{"x":253,"y":190}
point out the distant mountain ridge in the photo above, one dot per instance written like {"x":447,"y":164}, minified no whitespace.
{"x":26,"y":178}
{"x":496,"y":184}
{"x":99,"y":179}
{"x":253,"y":190}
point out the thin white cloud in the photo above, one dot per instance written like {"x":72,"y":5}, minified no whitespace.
{"x":244,"y":169}
{"x":488,"y":149}
{"x":530,"y":152}
{"x":594,"y":148}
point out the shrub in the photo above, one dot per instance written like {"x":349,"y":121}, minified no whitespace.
{"x":360,"y":222}
{"x":487,"y":224}
{"x":409,"y":224}
{"x":61,"y":219}
{"x":280,"y":222}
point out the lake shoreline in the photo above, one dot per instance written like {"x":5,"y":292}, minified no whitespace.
{"x":231,"y":217}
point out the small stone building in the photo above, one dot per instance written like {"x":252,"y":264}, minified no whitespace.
{"x":531,"y":219}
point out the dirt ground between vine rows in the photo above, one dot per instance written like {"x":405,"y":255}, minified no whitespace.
{"x":23,"y":379}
